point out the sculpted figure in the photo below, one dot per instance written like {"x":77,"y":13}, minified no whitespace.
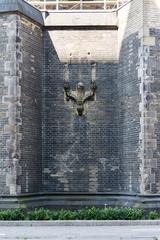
{"x":80,"y":96}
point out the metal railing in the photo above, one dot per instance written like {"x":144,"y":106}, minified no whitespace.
{"x":74,"y":5}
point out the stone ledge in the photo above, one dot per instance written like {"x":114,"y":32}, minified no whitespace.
{"x":74,"y":201}
{"x":55,"y":19}
{"x":23,"y":8}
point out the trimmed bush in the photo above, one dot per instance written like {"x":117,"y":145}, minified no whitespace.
{"x":16,"y":214}
{"x":82,"y":214}
{"x":39,"y":214}
{"x":153,"y":215}
{"x":67,"y":215}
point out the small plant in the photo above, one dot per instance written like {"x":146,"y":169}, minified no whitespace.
{"x":16,"y":214}
{"x":67,"y":215}
{"x":131,"y":214}
{"x":39,"y":214}
{"x":153,"y":215}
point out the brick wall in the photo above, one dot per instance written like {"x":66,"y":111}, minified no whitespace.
{"x":129,"y":116}
{"x":80,"y":153}
{"x":150,"y":95}
{"x":139,"y":28}
{"x":30,"y":58}
{"x":20,"y":105}
{"x":129,"y":37}
{"x":115,"y":146}
{"x":9,"y":100}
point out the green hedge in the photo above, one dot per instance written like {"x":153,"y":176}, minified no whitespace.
{"x":16,"y":214}
{"x":83,"y":214}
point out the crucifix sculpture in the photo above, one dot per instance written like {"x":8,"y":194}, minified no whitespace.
{"x":80,"y":96}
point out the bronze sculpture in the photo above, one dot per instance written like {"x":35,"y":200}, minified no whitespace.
{"x":80,"y":96}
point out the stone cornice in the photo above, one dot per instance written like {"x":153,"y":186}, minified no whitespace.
{"x":23,"y":8}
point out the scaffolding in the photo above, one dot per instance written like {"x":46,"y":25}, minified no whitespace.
{"x":78,"y":5}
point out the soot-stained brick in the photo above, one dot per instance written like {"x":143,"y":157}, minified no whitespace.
{"x":129,"y":115}
{"x":30,"y":57}
{"x":80,"y":153}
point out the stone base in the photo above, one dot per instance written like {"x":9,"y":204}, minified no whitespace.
{"x":76,"y":200}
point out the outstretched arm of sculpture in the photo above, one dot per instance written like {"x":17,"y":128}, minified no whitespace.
{"x":68,"y":92}
{"x":90,"y":95}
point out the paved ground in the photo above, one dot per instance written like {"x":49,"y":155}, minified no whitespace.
{"x":81,"y":232}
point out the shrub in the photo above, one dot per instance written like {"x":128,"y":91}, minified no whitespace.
{"x":39,"y":214}
{"x":16,"y":214}
{"x":67,"y":215}
{"x":153,"y":215}
{"x":54,"y":215}
{"x":89,"y":214}
{"x":131,"y":214}
{"x":92,"y":213}
{"x":109,"y":214}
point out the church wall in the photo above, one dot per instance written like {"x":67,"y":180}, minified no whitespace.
{"x":20,"y":105}
{"x":80,"y":153}
{"x":9,"y":99}
{"x":138,"y":87}
{"x":113,"y":149}
{"x":130,"y":21}
{"x":150,"y":108}
{"x":30,"y":57}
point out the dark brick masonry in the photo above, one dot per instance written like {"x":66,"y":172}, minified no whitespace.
{"x":46,"y":148}
{"x":20,"y":105}
{"x":93,"y":153}
{"x":30,"y":56}
{"x":153,"y":66}
{"x":6,"y":61}
{"x":129,"y":115}
{"x":79,"y":154}
{"x":10,"y":106}
{"x":151,"y":93}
